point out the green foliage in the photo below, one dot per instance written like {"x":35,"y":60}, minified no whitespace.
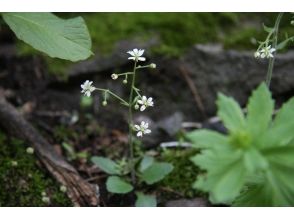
{"x":116,"y":184}
{"x":146,"y":162}
{"x":107,"y":165}
{"x":156,"y":172}
{"x":145,"y":200}
{"x":23,"y":184}
{"x":253,"y":165}
{"x":66,"y":39}
{"x":72,"y":154}
{"x":183,"y":174}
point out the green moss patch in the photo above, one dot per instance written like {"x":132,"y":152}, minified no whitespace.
{"x":22,"y":182}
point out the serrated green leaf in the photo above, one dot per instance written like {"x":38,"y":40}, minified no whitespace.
{"x":223,"y":182}
{"x":230,"y":113}
{"x":207,"y":139}
{"x":255,"y":161}
{"x":260,"y":109}
{"x":66,"y":39}
{"x":156,"y":172}
{"x":146,"y":162}
{"x":115,"y":184}
{"x":145,"y":200}
{"x":281,"y":131}
{"x":105,"y":164}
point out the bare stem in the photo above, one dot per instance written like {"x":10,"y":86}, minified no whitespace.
{"x":272,"y":59}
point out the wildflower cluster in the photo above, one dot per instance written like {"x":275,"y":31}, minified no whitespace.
{"x":140,"y":102}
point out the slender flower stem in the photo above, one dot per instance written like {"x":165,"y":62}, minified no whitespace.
{"x":114,"y":95}
{"x":133,"y":172}
{"x":142,"y":67}
{"x":127,"y":73}
{"x":272,"y":59}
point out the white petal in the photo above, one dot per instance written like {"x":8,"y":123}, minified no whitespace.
{"x":140,"y":102}
{"x":146,"y":126}
{"x":140,"y":53}
{"x":143,"y":107}
{"x":140,"y":134}
{"x":147,"y":131}
{"x":131,"y":58}
{"x":135,"y":51}
{"x":142,"y":124}
{"x":131,"y":53}
{"x":141,"y":58}
{"x":137,"y":127}
{"x":144,"y":98}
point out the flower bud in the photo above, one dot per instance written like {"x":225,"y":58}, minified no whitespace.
{"x":125,"y":81}
{"x":46,"y":199}
{"x":292,"y":22}
{"x":104,"y":103}
{"x":137,"y":106}
{"x":114,"y":76}
{"x":152,"y":65}
{"x":44,"y":194}
{"x":63,"y":189}
{"x":30,"y":150}
{"x":14,"y":163}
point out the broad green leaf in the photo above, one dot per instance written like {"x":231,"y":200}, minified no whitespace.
{"x":255,"y":161}
{"x":146,"y":162}
{"x":281,"y":131}
{"x":230,"y":113}
{"x":156,"y":172}
{"x":115,"y":184}
{"x":277,"y":188}
{"x":207,"y":139}
{"x":224,"y":182}
{"x":66,"y":39}
{"x":145,"y":200}
{"x":105,"y":164}
{"x":260,"y":109}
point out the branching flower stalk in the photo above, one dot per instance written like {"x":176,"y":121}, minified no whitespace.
{"x":134,"y":102}
{"x":272,"y":59}
{"x":270,"y":46}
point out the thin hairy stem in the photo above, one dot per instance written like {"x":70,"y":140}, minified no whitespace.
{"x":131,"y":144}
{"x":114,"y":95}
{"x":272,"y":59}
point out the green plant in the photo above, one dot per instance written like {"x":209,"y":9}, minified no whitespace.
{"x":148,"y":171}
{"x":253,"y":164}
{"x":270,"y":45}
{"x":66,"y":39}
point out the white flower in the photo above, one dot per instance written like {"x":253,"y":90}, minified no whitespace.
{"x":114,"y":76}
{"x":142,"y":129}
{"x":30,"y":150}
{"x":152,"y":65}
{"x":267,"y":52}
{"x":144,"y":102}
{"x":257,"y":54}
{"x":87,"y":88}
{"x":136,"y":55}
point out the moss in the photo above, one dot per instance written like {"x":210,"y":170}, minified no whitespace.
{"x":23,"y":184}
{"x":183,"y":176}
